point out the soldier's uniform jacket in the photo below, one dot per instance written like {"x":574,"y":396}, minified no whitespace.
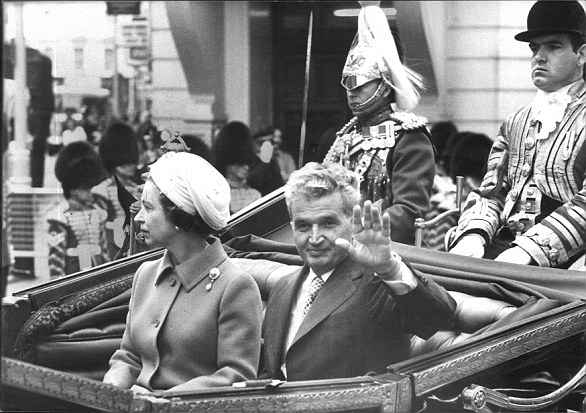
{"x":116,"y":216}
{"x":77,"y":238}
{"x":535,"y":186}
{"x":396,"y":160}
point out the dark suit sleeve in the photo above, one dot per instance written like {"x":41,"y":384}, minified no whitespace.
{"x":423,"y":311}
{"x":411,"y":170}
{"x":426,"y":309}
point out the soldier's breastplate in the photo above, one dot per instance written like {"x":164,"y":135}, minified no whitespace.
{"x":365,"y":150}
{"x":367,"y":155}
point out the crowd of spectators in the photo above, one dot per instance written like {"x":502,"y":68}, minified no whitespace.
{"x":457,"y":154}
{"x":253,"y":165}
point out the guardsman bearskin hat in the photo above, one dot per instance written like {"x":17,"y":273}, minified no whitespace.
{"x":469,"y":155}
{"x":374,"y":55}
{"x":233,"y":145}
{"x":78,"y":166}
{"x":118,"y":146}
{"x":554,"y":17}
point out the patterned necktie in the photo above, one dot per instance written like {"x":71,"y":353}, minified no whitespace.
{"x":314,"y":288}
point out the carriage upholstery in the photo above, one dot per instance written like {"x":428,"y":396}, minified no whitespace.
{"x":79,"y":333}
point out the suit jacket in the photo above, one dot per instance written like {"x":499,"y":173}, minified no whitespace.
{"x":355,"y":325}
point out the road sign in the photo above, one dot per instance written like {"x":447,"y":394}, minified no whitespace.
{"x":138,"y":56}
{"x":134,"y":34}
{"x":123,"y":7}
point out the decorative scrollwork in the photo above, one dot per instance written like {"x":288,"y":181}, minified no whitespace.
{"x":64,"y":386}
{"x":490,"y":355}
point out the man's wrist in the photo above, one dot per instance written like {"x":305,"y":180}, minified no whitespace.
{"x":400,"y":281}
{"x":389,"y":270}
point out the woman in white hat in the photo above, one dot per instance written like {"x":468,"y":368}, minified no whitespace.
{"x":194,"y":319}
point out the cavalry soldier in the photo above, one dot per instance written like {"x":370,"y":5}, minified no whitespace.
{"x":390,"y":149}
{"x":77,"y":228}
{"x":531,"y":206}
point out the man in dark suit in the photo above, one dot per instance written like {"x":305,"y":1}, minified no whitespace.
{"x":351,"y":308}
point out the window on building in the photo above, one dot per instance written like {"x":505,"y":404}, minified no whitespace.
{"x":78,"y":56}
{"x":109,"y":59}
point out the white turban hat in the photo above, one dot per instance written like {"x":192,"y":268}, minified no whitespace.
{"x":191,"y":183}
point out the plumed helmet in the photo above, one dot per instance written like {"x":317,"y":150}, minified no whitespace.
{"x":374,"y":55}
{"x":78,"y":166}
{"x":554,"y":17}
{"x":118,"y":146}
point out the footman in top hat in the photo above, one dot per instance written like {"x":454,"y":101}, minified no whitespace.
{"x":531,"y":206}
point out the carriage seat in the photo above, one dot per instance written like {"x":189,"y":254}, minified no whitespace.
{"x":79,"y":333}
{"x":472,"y":315}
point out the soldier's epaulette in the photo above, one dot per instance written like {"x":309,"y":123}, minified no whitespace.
{"x":408,"y":120}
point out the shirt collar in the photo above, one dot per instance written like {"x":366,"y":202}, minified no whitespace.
{"x":542,"y":96}
{"x":324,"y":276}
{"x":195,"y":269}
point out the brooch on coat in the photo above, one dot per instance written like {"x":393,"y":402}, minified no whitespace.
{"x":214,"y":275}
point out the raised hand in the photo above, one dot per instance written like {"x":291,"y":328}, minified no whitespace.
{"x":371,"y":244}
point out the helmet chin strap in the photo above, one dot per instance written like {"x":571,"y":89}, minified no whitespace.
{"x":372,"y":103}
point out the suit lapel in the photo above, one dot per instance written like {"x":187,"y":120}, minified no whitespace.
{"x":278,"y":327}
{"x":335,"y":292}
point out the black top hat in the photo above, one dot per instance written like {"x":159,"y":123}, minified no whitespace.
{"x":553,"y":17}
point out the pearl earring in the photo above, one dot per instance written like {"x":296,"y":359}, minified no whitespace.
{"x":176,"y":228}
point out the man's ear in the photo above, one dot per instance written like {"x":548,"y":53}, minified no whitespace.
{"x":581,"y":52}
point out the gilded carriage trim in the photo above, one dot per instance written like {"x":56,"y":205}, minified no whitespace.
{"x":463,"y":361}
{"x":66,"y":387}
{"x":475,"y":398}
{"x":331,"y":400}
{"x":392,"y":395}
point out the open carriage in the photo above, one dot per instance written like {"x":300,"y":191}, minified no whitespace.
{"x":518,"y":344}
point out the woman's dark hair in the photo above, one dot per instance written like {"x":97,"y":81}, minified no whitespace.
{"x":183,"y":220}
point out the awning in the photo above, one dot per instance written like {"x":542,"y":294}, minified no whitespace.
{"x":81,"y":90}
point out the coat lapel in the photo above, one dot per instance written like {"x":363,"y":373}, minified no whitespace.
{"x":278,"y":327}
{"x":335,"y":292}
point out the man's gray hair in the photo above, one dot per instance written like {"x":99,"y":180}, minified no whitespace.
{"x":315,"y":180}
